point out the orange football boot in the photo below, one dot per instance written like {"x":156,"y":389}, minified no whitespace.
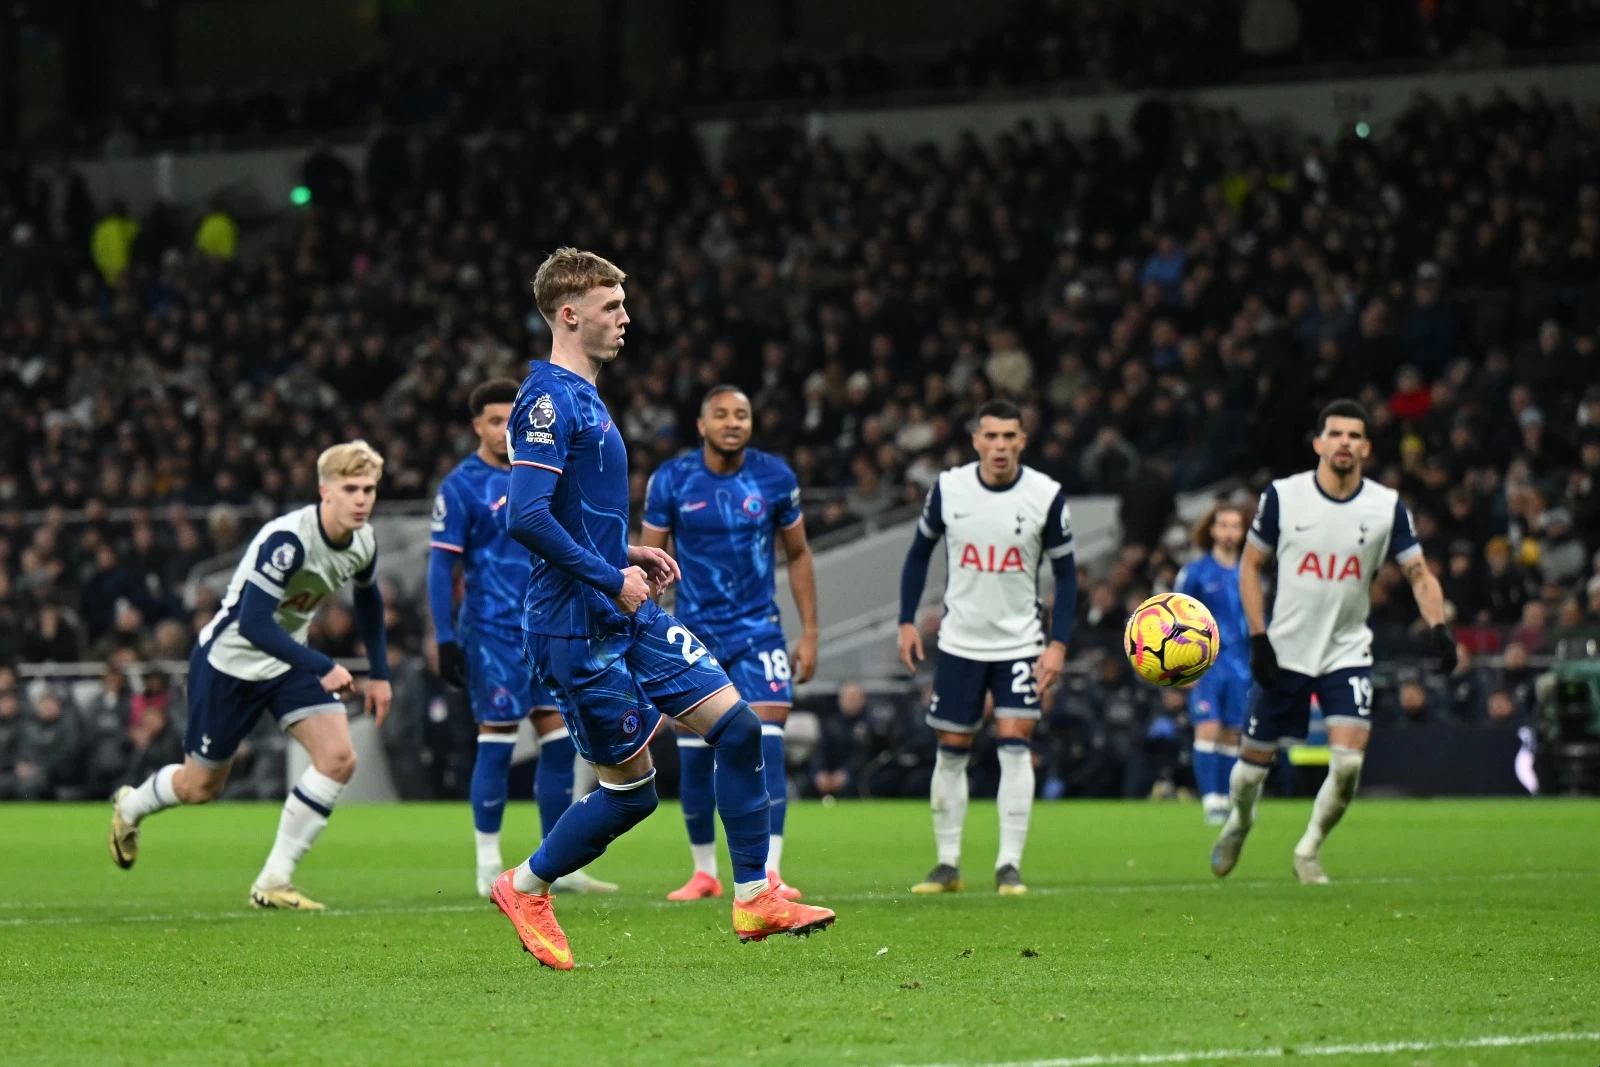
{"x":701,"y":886}
{"x":536,"y":923}
{"x":769,"y":913}
{"x":785,"y":890}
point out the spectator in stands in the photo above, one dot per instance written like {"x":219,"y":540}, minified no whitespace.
{"x":105,"y":720}
{"x":844,"y":745}
{"x":11,"y":720}
{"x":53,"y":638}
{"x":48,"y":750}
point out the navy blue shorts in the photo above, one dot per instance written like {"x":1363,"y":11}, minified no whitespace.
{"x":613,"y":689}
{"x":224,"y":709}
{"x":1222,"y":694}
{"x":959,"y":686}
{"x":1282,"y":714}
{"x":501,"y":687}
{"x":757,"y":664}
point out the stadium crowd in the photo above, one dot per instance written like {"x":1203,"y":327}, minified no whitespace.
{"x":1170,"y":307}
{"x":1131,"y":46}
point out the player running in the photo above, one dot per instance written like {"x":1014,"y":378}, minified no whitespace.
{"x":999,"y":520}
{"x":1331,"y":530}
{"x":720,"y":505}
{"x":481,"y":650}
{"x":614,"y":660}
{"x":1217,"y":700}
{"x":252,"y":657}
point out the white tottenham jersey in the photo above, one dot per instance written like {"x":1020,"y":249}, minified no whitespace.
{"x":1328,"y":553}
{"x":292,"y":559}
{"x":994,"y":542}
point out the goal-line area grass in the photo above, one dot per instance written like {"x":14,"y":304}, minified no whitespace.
{"x":1456,"y":932}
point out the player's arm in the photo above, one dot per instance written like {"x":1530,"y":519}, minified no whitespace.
{"x":914,"y":576}
{"x":374,"y":638}
{"x":654,"y":533}
{"x":1260,"y":545}
{"x":1058,"y":549}
{"x":803,"y":584}
{"x":537,"y":459}
{"x":280,"y":556}
{"x":1407,"y":552}
{"x":447,"y":543}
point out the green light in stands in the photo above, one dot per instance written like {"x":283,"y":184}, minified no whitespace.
{"x":1363,"y":130}
{"x":300,"y":196}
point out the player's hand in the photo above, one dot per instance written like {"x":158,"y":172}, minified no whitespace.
{"x":910,"y":646}
{"x":1263,"y":661}
{"x":635,"y":591}
{"x":338,"y":681}
{"x":1047,"y":668}
{"x":1445,"y":642}
{"x":452,"y":665}
{"x":380,"y":694}
{"x":804,"y":658}
{"x":659,"y":567}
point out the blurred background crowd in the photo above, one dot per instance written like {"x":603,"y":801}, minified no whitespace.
{"x":1169,"y":303}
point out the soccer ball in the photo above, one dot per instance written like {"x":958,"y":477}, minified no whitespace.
{"x":1171,"y":639}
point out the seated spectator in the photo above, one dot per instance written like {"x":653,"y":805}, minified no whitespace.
{"x":844,"y":744}
{"x":11,"y":720}
{"x":49,"y":751}
{"x":105,"y":721}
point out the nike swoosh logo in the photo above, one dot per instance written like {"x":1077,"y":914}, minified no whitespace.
{"x":959,"y":514}
{"x":493,"y":803}
{"x":1303,"y":529}
{"x":559,"y":953}
{"x":1030,"y":700}
{"x":693,"y":507}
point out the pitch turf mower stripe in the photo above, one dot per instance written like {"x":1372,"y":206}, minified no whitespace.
{"x":1209,"y":886}
{"x":1368,"y":1048}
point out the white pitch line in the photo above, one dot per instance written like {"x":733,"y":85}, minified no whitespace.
{"x":876,"y":895}
{"x":1370,"y":1048}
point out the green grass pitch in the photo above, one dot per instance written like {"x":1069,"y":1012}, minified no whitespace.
{"x":1453,"y":928}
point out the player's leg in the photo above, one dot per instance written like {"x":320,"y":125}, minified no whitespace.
{"x":610,"y":721}
{"x":222,"y":710}
{"x":1234,"y":707}
{"x":497,"y":688}
{"x":323,"y":731}
{"x":955,"y":713}
{"x":553,"y":782}
{"x":697,"y":793}
{"x":1346,"y":699}
{"x":1275,"y":716}
{"x":684,"y":681}
{"x":762,"y":676}
{"x":1016,"y":711}
{"x":1205,"y":712}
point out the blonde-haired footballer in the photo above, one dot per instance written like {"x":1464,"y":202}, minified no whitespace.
{"x":252,"y":657}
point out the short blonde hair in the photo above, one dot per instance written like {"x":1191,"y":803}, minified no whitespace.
{"x":569,"y":272}
{"x":353,"y":459}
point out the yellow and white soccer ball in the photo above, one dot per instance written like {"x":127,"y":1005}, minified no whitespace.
{"x":1171,"y":639}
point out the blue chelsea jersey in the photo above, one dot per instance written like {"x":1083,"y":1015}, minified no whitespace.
{"x":1217,"y":587}
{"x":723,"y":525}
{"x":469,"y":517}
{"x":560,"y":424}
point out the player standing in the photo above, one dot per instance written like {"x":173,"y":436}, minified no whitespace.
{"x":614,"y":660}
{"x":481,"y":650}
{"x":1217,"y":701}
{"x":1000,"y":520}
{"x":721,"y":504}
{"x":1331,"y":530}
{"x":252,"y":657}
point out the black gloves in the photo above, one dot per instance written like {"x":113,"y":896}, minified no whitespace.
{"x":1263,"y":661}
{"x":1445,"y":642}
{"x":452,"y":665}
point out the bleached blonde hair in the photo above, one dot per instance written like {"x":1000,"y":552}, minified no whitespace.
{"x":353,"y":459}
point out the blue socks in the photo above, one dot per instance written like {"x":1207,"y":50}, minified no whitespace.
{"x":777,"y":778}
{"x":552,"y":779}
{"x":584,"y":830}
{"x":696,"y":788}
{"x":741,"y":791}
{"x":1205,"y":768}
{"x":489,"y":773}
